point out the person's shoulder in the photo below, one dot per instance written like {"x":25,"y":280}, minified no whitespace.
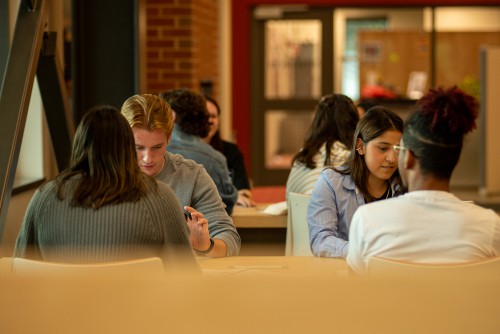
{"x":336,"y":175}
{"x":477,"y":211}
{"x":179,"y":161}
{"x":372,"y":209}
{"x":212,"y":153}
{"x":46,"y":189}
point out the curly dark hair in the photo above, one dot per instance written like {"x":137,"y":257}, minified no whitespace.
{"x":190,"y":111}
{"x":435,"y":130}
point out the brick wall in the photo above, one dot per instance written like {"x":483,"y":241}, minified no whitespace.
{"x":181,"y":44}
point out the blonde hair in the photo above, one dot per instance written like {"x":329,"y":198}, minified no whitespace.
{"x":150,"y":112}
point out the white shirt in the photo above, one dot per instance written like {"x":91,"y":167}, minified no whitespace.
{"x":423,"y":227}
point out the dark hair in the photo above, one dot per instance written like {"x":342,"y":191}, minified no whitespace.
{"x":216,"y":140}
{"x":435,"y":131}
{"x":104,"y":157}
{"x":190,"y":111}
{"x":335,"y":119}
{"x":376,"y":122}
{"x":367,"y":104}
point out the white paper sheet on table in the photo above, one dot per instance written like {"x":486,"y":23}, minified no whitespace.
{"x":276,"y":209}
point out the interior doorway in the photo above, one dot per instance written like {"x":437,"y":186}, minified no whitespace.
{"x":292,"y":67}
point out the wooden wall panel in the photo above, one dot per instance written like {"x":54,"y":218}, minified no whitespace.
{"x":400,"y":53}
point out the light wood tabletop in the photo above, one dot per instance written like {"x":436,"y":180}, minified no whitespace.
{"x":274,"y":265}
{"x":256,"y":218}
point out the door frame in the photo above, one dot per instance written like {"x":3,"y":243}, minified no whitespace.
{"x":262,"y":176}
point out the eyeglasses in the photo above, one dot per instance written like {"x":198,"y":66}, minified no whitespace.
{"x":398,"y":149}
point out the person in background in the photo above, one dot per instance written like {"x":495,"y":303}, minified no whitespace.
{"x":102,"y":208}
{"x":428,"y":224}
{"x":327,"y":143}
{"x":212,"y":231}
{"x":370,"y":174}
{"x":191,"y":125}
{"x":234,"y":157}
{"x":364,"y":105}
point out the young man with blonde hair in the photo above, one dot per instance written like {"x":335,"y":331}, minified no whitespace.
{"x":212,"y":232}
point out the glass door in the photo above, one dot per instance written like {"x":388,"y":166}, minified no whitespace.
{"x":292,"y":67}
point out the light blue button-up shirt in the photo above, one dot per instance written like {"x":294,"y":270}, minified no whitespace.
{"x":192,"y":147}
{"x":334,"y":200}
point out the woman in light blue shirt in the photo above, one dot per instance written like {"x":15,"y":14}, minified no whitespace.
{"x":369,"y":174}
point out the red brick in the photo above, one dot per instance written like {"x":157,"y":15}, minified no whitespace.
{"x":160,"y":44}
{"x":181,"y":43}
{"x":160,"y":22}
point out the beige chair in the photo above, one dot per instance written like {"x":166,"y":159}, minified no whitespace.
{"x":383,"y":267}
{"x":123,"y":269}
{"x":297,"y":232}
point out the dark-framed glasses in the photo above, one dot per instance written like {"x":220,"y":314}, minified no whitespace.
{"x":398,"y":149}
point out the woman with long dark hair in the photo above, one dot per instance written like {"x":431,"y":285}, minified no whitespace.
{"x":369,"y":174}
{"x":102,"y":207}
{"x":327,"y":143}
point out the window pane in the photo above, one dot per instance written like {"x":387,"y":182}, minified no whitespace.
{"x":285,"y":131}
{"x":292,"y":59}
{"x":350,"y":66}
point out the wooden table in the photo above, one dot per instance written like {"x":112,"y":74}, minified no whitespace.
{"x":274,"y":266}
{"x":256,"y":218}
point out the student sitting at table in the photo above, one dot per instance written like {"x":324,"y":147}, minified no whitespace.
{"x":234,"y":157}
{"x":369,"y":174}
{"x":327,"y":143}
{"x":212,"y":231}
{"x":102,"y":208}
{"x":191,"y":125}
{"x":429,"y":224}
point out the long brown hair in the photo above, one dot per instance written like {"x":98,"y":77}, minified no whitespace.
{"x":334,"y":120}
{"x":376,"y":121}
{"x":103,"y":161}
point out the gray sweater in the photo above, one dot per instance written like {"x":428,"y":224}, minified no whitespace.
{"x":55,"y":231}
{"x":194,"y":187}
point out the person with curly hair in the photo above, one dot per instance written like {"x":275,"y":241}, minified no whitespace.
{"x":191,"y":125}
{"x":428,"y":224}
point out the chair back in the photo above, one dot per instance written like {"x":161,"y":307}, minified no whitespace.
{"x":122,"y":269}
{"x":297,"y":232}
{"x":378,"y":266}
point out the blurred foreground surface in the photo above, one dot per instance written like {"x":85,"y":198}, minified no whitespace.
{"x":250,"y":295}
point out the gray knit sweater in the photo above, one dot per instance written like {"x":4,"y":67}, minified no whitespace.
{"x":194,"y":187}
{"x":55,"y":231}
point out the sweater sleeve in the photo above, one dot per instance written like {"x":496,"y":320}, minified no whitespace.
{"x":167,"y":213}
{"x":27,"y":241}
{"x":206,"y":200}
